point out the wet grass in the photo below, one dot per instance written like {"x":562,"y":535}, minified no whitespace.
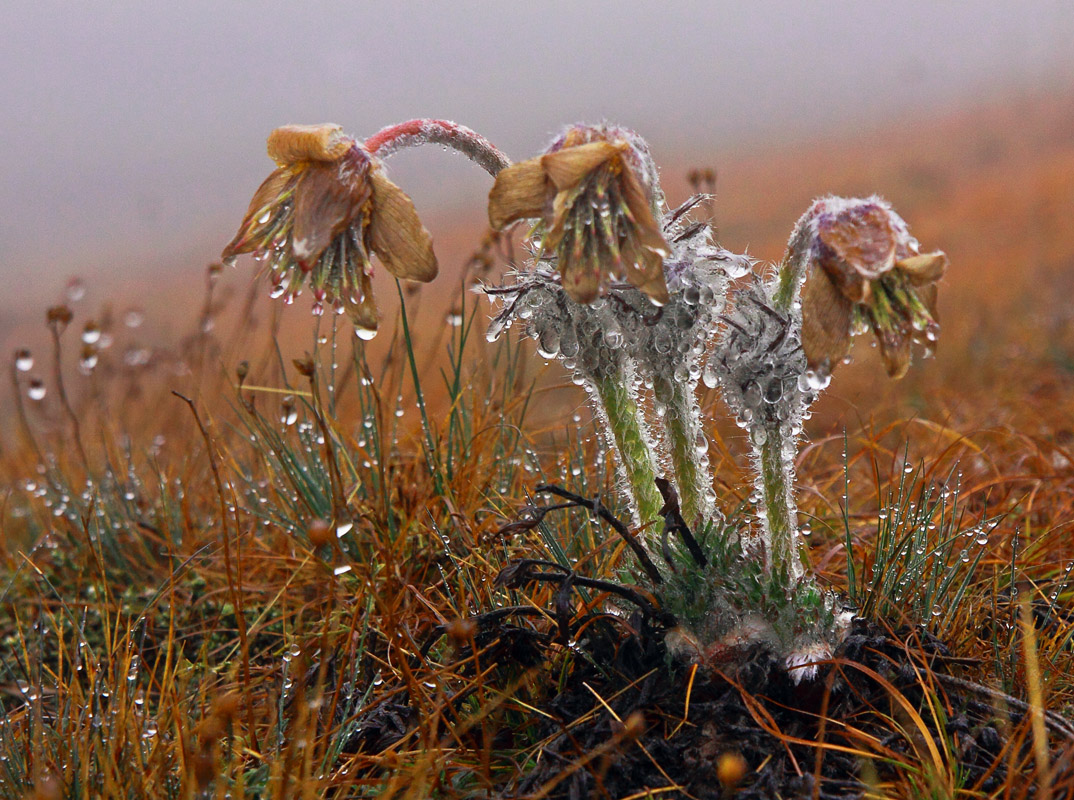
{"x":248,"y":562}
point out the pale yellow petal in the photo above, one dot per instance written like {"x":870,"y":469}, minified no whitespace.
{"x":520,"y":192}
{"x":396,"y":233}
{"x":264,"y":201}
{"x":924,"y":269}
{"x":292,"y":144}
{"x":648,"y":230}
{"x":825,"y":322}
{"x":361,"y":308}
{"x":566,"y":167}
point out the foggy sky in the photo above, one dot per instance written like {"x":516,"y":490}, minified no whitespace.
{"x":132,"y":133}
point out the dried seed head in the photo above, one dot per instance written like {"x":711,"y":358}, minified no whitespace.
{"x":47,"y":787}
{"x":58,"y":315}
{"x":634,"y":725}
{"x":242,"y":370}
{"x":204,"y":763}
{"x":461,"y":631}
{"x":226,"y":707}
{"x":731,"y":768}
{"x":305,"y":366}
{"x":320,"y":533}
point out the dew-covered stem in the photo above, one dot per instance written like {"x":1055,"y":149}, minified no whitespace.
{"x":417,"y":132}
{"x":623,"y":420}
{"x":774,"y":454}
{"x":687,"y":446}
{"x":792,"y":270}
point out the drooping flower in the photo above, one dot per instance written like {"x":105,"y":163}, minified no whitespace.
{"x":595,"y":192}
{"x":866,"y":272}
{"x":320,"y":214}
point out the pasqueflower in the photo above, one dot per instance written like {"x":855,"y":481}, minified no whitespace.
{"x":594,"y":191}
{"x":320,"y":214}
{"x":867,"y":272}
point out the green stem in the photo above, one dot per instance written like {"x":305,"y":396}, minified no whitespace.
{"x":624,"y":421}
{"x":781,"y":515}
{"x":682,"y":426}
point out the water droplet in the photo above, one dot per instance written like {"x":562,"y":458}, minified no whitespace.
{"x":88,"y":361}
{"x":91,"y":334}
{"x":342,"y":570}
{"x":344,"y":529}
{"x":76,"y":290}
{"x":133,"y":318}
{"x":36,"y":390}
{"x":24,"y":362}
{"x":365,"y":334}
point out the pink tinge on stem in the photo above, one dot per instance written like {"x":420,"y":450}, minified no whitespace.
{"x":417,"y":132}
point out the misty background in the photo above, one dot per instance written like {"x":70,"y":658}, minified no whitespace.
{"x":132,"y":134}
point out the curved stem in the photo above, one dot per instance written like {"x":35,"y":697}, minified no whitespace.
{"x":623,"y":419}
{"x":792,"y":270}
{"x":417,"y":132}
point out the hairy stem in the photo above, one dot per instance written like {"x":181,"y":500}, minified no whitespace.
{"x":417,"y":132}
{"x":792,"y":270}
{"x":623,"y":419}
{"x":683,"y":434}
{"x":777,"y":495}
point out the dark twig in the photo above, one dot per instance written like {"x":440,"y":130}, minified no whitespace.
{"x":523,"y":571}
{"x":483,"y":621}
{"x":673,"y":521}
{"x":598,"y":509}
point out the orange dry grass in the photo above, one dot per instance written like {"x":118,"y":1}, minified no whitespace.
{"x":144,"y":658}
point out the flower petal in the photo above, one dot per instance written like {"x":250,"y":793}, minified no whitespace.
{"x":292,"y":144}
{"x":396,"y":233}
{"x":895,"y":350}
{"x":648,"y":276}
{"x":324,"y":207}
{"x":863,"y":238}
{"x":267,"y":196}
{"x":634,"y":196}
{"x":361,"y":307}
{"x":925,"y":269}
{"x":825,"y":322}
{"x":520,"y":192}
{"x":566,"y":167}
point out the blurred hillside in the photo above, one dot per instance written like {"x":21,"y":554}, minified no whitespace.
{"x":993,"y":186}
